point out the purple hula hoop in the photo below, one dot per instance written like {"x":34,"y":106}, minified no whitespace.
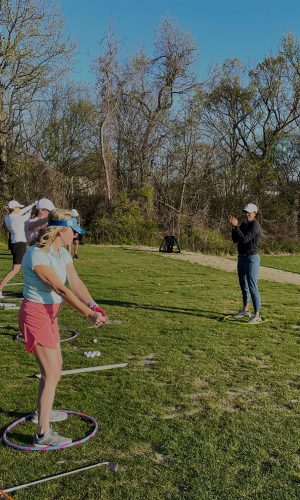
{"x":50,"y":448}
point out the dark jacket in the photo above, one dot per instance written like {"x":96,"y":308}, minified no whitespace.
{"x":247,"y":237}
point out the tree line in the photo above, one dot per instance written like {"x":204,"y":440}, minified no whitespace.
{"x":147,"y":147}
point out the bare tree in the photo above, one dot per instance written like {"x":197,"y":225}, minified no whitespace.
{"x":136,"y":98}
{"x":107,"y":95}
{"x":33,"y":53}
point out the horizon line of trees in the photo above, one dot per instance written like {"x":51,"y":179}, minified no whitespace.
{"x":149,"y":148}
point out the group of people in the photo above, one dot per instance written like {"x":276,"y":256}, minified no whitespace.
{"x":46,"y":267}
{"x":23,"y":225}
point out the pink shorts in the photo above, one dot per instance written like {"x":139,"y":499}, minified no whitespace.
{"x":38,"y":324}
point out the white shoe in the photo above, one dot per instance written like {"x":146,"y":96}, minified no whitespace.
{"x":255,"y":319}
{"x":50,"y":438}
{"x":243,"y":314}
{"x":55,"y":416}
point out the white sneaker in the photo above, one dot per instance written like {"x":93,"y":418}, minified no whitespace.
{"x":255,"y":319}
{"x":55,"y":416}
{"x":243,"y":314}
{"x":50,"y":438}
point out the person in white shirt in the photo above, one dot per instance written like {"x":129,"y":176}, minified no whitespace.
{"x":15,"y":221}
{"x":40,"y":220}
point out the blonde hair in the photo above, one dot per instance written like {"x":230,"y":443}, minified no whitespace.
{"x":47,"y":235}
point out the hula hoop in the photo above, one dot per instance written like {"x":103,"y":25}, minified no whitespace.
{"x":50,"y":448}
{"x":231,"y":319}
{"x":73,"y":335}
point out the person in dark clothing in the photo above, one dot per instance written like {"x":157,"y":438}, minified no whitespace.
{"x":247,"y":237}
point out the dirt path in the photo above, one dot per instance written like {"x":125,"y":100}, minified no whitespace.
{"x":228,"y":264}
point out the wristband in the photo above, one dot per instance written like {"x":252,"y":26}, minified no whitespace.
{"x":94,"y":306}
{"x":91,"y":304}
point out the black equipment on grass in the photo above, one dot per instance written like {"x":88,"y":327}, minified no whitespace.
{"x":169,"y":245}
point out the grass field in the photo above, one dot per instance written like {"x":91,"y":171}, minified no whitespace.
{"x":285,"y":262}
{"x":205,"y":409}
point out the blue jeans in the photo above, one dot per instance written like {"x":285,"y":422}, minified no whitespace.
{"x":248,"y":267}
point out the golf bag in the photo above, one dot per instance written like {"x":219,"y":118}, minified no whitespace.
{"x":169,"y":244}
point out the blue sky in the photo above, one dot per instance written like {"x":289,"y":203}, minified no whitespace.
{"x":221,"y":28}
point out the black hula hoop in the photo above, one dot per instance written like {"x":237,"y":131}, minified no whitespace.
{"x":73,"y":335}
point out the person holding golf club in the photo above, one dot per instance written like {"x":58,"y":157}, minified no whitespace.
{"x":15,"y":222}
{"x":38,"y":219}
{"x":247,"y":237}
{"x":46,"y":267}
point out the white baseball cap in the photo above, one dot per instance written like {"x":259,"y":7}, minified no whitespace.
{"x":74,"y":212}
{"x":14,"y":204}
{"x":250,"y":207}
{"x":45,"y":204}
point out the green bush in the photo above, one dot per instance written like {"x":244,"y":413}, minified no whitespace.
{"x":280,"y":246}
{"x":125,"y":224}
{"x":208,"y":241}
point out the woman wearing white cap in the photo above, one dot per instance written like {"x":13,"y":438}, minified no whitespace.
{"x":247,"y":237}
{"x":15,"y":221}
{"x":46,"y":266}
{"x":40,"y":219}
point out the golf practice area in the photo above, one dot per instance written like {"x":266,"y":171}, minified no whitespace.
{"x":168,"y":400}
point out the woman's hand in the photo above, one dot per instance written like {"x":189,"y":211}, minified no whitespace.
{"x":233,"y":221}
{"x":98,"y":319}
{"x":92,"y":305}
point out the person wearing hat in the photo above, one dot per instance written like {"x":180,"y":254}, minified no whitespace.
{"x":247,"y":237}
{"x":15,"y":221}
{"x":39,"y":219}
{"x":77,"y":238}
{"x":46,"y":267}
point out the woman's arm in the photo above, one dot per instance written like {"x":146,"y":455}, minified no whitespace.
{"x":49,"y":276}
{"x":234,"y":235}
{"x":25,"y":210}
{"x":234,"y":223}
{"x":250,"y":235}
{"x":76,"y":284}
{"x":80,"y":289}
{"x":33,"y":224}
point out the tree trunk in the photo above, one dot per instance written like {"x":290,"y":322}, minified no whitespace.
{"x":105,"y":160}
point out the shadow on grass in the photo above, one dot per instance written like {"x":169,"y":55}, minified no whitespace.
{"x":6,"y":329}
{"x":20,"y":439}
{"x":177,"y":310}
{"x":142,"y":250}
{"x":11,"y":417}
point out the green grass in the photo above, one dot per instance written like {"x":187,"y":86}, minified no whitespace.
{"x":285,"y":262}
{"x":205,"y":409}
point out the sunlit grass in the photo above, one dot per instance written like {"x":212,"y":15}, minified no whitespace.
{"x":205,"y":409}
{"x":285,"y":262}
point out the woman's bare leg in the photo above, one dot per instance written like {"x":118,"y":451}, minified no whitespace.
{"x":50,"y":363}
{"x":76,"y":245}
{"x":15,"y":269}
